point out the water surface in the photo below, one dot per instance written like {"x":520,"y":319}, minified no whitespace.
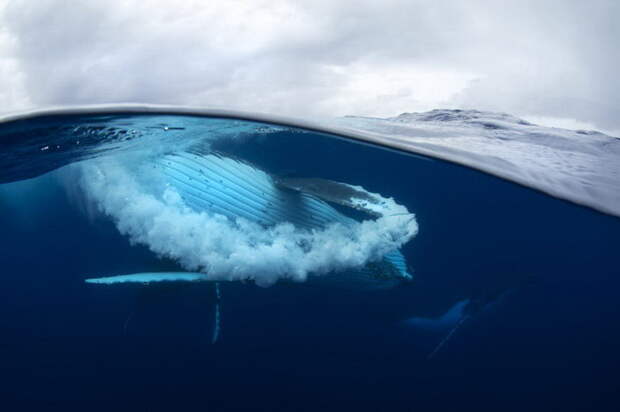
{"x":533,"y":279}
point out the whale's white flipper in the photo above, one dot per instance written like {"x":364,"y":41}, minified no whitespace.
{"x":151,"y":277}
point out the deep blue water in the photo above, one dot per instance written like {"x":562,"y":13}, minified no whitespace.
{"x":543,"y":273}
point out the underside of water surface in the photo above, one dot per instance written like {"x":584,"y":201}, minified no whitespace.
{"x":235,"y":252}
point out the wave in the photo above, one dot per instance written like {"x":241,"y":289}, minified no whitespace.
{"x":580,"y":166}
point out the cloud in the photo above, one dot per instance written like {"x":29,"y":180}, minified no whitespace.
{"x":529,"y":58}
{"x":552,"y":59}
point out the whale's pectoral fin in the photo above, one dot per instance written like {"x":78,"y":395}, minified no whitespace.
{"x":447,"y":337}
{"x":217,"y":320}
{"x":151,"y":277}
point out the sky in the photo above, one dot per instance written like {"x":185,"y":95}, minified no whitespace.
{"x":552,"y":62}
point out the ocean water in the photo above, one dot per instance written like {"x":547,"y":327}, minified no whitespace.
{"x":508,"y":299}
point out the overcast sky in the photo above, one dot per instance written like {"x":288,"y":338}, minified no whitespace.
{"x":553,"y":61}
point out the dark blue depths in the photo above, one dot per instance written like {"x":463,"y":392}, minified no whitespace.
{"x":543,"y":272}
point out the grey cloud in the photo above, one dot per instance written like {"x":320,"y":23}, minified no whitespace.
{"x":543,"y":58}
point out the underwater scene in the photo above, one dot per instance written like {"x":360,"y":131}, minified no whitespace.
{"x":177,"y":261}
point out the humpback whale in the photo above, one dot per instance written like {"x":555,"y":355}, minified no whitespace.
{"x":217,"y":184}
